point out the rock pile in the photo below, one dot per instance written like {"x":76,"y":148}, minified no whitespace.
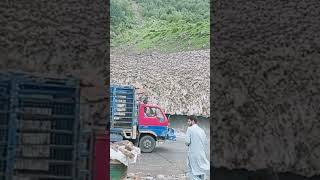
{"x":124,"y":151}
{"x":58,"y":38}
{"x":179,"y":82}
{"x":266,"y":82}
{"x":126,"y":147}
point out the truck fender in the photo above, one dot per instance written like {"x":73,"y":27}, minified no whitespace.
{"x":148,"y":132}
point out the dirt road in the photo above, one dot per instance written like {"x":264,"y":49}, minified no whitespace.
{"x":168,"y":159}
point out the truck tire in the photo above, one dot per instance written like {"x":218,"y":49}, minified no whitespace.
{"x":147,"y":144}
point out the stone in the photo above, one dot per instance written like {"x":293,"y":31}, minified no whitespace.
{"x":160,"y":177}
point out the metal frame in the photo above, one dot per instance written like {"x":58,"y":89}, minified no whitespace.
{"x":113,"y":104}
{"x":117,"y":132}
{"x":17,"y":79}
{"x":76,"y":135}
{"x":12,"y":130}
{"x":6,"y":97}
{"x":45,"y":84}
{"x":115,"y":91}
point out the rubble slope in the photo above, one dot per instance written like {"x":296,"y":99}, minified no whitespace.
{"x":179,"y":82}
{"x":266,"y":86}
{"x":59,"y":38}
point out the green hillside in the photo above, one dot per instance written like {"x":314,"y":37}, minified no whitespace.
{"x":160,"y":25}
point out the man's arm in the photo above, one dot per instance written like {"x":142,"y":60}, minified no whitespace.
{"x":188,"y":137}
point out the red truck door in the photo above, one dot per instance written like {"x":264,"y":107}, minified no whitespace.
{"x":152,"y":118}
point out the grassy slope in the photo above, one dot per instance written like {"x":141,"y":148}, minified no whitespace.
{"x":162,"y":35}
{"x":173,"y":36}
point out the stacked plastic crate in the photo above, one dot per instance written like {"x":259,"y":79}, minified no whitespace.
{"x":44,"y":123}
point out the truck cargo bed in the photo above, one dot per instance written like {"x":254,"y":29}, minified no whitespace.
{"x":123,"y":107}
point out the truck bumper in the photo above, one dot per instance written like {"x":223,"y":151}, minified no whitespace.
{"x":171,"y":136}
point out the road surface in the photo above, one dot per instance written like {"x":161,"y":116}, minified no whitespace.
{"x":168,"y":159}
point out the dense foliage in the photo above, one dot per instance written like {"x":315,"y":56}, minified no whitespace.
{"x":188,"y":10}
{"x":165,"y":25}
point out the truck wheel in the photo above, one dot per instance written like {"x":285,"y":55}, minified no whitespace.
{"x":147,"y":144}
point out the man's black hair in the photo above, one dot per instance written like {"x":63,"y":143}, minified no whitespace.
{"x":193,"y":118}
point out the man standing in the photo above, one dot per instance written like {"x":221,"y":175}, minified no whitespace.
{"x":196,"y":141}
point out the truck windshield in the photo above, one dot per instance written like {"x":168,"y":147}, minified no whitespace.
{"x":159,"y":115}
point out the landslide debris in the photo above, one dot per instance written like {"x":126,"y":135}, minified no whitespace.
{"x":179,"y":82}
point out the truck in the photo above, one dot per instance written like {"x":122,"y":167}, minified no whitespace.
{"x":141,"y":123}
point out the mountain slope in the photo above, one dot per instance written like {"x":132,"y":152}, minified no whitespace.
{"x":160,"y":25}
